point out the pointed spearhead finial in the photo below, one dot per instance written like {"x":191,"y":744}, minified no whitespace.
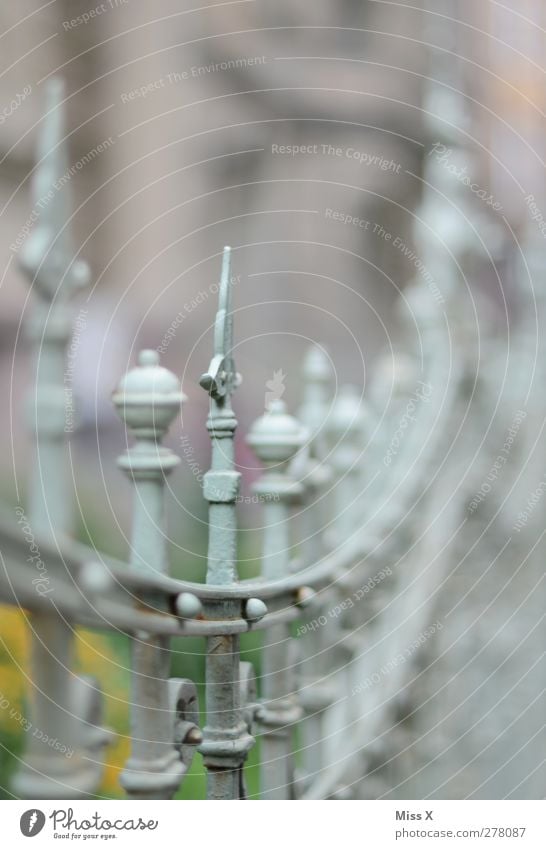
{"x":47,"y":255}
{"x":221,"y":378}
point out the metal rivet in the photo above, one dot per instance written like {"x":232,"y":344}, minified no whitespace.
{"x":305,"y":596}
{"x":188,"y":606}
{"x":255,"y":609}
{"x":95,"y":579}
{"x":194,"y":737}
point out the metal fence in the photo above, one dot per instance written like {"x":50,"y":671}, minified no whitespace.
{"x":350,"y":479}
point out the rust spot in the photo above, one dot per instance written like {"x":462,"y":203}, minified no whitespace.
{"x":219,"y":644}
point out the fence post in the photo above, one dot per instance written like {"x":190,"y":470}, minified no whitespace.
{"x":275,"y":438}
{"x":313,"y":414}
{"x":226,"y":738}
{"x":147,"y":399}
{"x":347,"y":432}
{"x":56,"y":694}
{"x":315,"y":694}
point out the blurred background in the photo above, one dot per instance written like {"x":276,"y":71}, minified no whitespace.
{"x":304,"y":135}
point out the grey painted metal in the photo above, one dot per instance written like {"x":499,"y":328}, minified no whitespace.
{"x":56,"y":694}
{"x":357,"y":517}
{"x":316,"y":689}
{"x":227,"y":740}
{"x":275,"y":439}
{"x":148,"y":399}
{"x":346,"y":433}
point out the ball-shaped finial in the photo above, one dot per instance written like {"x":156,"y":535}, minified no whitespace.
{"x":316,"y":365}
{"x":149,"y":396}
{"x":316,"y":389}
{"x":188,"y":606}
{"x":419,"y":308}
{"x":348,"y":418}
{"x":148,"y":357}
{"x":80,"y":274}
{"x":394,"y":378}
{"x":276,"y":436}
{"x":346,"y":429}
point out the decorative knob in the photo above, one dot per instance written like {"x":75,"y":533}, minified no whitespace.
{"x":276,"y":436}
{"x":188,"y":606}
{"x":395,"y":375}
{"x":95,"y":579}
{"x":193,"y":737}
{"x":317,"y":377}
{"x":148,"y":397}
{"x":348,"y":415}
{"x":305,"y":597}
{"x":255,"y":610}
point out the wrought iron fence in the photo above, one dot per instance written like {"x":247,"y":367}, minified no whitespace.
{"x":352,"y":479}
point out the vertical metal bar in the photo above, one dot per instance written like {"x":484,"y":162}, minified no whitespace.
{"x":148,"y":399}
{"x":275,"y":438}
{"x":347,"y":438}
{"x":47,"y":260}
{"x":347,"y":432}
{"x":226,"y":739}
{"x":316,"y":693}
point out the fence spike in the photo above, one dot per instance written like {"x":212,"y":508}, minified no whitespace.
{"x":347,"y":436}
{"x":47,"y":255}
{"x":227,"y":740}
